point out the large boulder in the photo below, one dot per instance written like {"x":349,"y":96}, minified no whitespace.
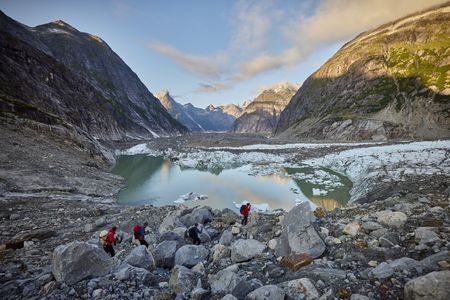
{"x":170,"y":222}
{"x":243,"y":250}
{"x":392,"y":219}
{"x":164,"y":254}
{"x":226,"y":238}
{"x":79,"y":260}
{"x":183,"y":280}
{"x":298,"y":235}
{"x":268,"y":292}
{"x":219,"y":252}
{"x":433,"y":286}
{"x":141,"y":257}
{"x":199,"y":215}
{"x":190,"y":255}
{"x":223,"y":281}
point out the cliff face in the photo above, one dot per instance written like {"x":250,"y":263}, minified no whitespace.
{"x":262,"y":114}
{"x":57,"y":76}
{"x":197,"y":119}
{"x":390,"y":82}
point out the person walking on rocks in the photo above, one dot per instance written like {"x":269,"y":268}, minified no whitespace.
{"x":139,"y":234}
{"x":193,"y":233}
{"x":108,"y":239}
{"x":245,"y":211}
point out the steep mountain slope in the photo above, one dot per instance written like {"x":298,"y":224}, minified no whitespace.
{"x":232,"y":110}
{"x":56,"y":75}
{"x":390,"y":82}
{"x":197,"y":119}
{"x":261,"y":114}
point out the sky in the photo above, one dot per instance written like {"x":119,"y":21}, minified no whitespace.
{"x":218,"y":51}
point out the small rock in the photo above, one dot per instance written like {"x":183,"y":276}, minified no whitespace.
{"x":49,"y":287}
{"x":392,"y":219}
{"x":14,"y":217}
{"x":272,"y":244}
{"x":268,"y":292}
{"x":351,"y":229}
{"x":382,"y":271}
{"x":296,"y":261}
{"x":235,"y":230}
{"x":97,"y":293}
{"x":373,"y":263}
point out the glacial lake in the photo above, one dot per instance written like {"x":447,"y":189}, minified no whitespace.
{"x":157,"y":181}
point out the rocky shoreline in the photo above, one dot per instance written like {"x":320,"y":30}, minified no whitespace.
{"x":396,"y":247}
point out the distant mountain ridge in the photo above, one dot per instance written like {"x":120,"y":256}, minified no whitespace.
{"x":262,"y":114}
{"x":56,"y":75}
{"x":390,"y":82}
{"x":197,"y":119}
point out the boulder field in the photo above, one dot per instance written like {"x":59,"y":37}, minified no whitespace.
{"x":389,"y":249}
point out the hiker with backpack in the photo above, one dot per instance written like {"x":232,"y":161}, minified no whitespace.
{"x":245,"y":211}
{"x":107,"y":239}
{"x":193,"y":233}
{"x":139,"y":234}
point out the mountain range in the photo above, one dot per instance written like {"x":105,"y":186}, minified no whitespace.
{"x":72,"y":83}
{"x":389,"y":82}
{"x":197,"y":119}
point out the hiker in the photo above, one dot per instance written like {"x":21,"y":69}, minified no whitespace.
{"x":107,"y":239}
{"x":193,"y":233}
{"x":139,"y":234}
{"x":245,"y":210}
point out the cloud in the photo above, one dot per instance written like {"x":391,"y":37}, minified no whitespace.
{"x":251,"y":22}
{"x":304,"y":29}
{"x":202,"y":65}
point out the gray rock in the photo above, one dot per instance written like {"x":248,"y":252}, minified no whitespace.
{"x":392,"y":219}
{"x":198,"y":215}
{"x":226,"y":238}
{"x":223,"y":281}
{"x":164,"y":254}
{"x":358,"y":297}
{"x":351,"y":229}
{"x":79,"y":260}
{"x":183,"y":280}
{"x":244,"y":287}
{"x":243,"y":250}
{"x":190,"y":255}
{"x":141,"y":257}
{"x":298,"y":234}
{"x":296,"y":287}
{"x":379,"y":232}
{"x":389,"y":240}
{"x":123,"y":273}
{"x":229,"y":297}
{"x":170,"y":222}
{"x":219,"y":252}
{"x":268,"y":292}
{"x":371,"y":226}
{"x":382,"y":271}
{"x":426,"y":235}
{"x":14,"y":216}
{"x":200,"y":294}
{"x":328,"y":275}
{"x":404,"y":263}
{"x":430,"y":263}
{"x":433,"y":286}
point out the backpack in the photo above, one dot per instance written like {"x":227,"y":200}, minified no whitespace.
{"x":243,"y":206}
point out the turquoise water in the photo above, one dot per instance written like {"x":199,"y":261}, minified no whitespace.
{"x":156,"y":181}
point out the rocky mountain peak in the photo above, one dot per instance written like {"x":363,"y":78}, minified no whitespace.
{"x":389,"y":82}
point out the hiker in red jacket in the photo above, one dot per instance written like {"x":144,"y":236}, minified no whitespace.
{"x":110,"y":241}
{"x":245,"y":211}
{"x":139,"y":234}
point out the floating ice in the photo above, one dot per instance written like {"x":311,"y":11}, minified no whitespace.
{"x":190,"y":197}
{"x":319,"y":192}
{"x":259,"y":207}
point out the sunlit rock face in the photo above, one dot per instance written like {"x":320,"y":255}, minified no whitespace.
{"x":390,"y":82}
{"x":262,"y":114}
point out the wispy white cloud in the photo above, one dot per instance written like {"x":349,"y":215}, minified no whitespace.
{"x":203,"y":65}
{"x":331,"y":21}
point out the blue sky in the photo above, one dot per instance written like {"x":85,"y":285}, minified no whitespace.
{"x":218,"y":51}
